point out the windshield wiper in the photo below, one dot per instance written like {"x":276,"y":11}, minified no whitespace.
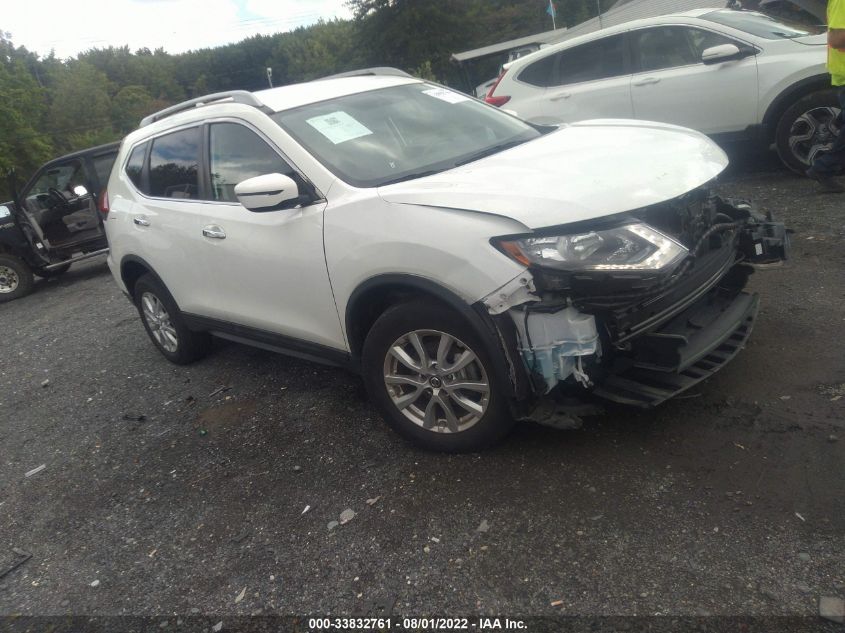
{"x":495,"y":149}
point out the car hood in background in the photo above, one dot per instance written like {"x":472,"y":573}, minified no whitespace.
{"x":582,"y":171}
{"x":817,"y":40}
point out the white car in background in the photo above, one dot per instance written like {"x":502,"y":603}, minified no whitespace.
{"x":733,"y":75}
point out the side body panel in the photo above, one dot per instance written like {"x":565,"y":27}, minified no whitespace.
{"x":450,"y":248}
{"x":269,"y":272}
{"x":600,"y":99}
{"x":784,"y":64}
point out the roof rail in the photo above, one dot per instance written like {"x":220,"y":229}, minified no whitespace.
{"x":363,"y":72}
{"x":234,"y":96}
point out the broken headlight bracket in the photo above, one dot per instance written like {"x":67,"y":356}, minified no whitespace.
{"x":762,"y":240}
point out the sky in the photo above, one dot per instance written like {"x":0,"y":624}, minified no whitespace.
{"x":69,"y":28}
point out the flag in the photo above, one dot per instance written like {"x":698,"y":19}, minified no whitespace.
{"x":551,"y":10}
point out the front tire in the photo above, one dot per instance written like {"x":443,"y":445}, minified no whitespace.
{"x":15,"y":278}
{"x":164,"y":323}
{"x":432,"y":379}
{"x":807,"y":129}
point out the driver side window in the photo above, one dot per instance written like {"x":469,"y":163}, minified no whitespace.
{"x":63,"y":177}
{"x":238,"y":153}
{"x":665,"y":47}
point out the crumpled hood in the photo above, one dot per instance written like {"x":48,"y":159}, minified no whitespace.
{"x":582,"y":171}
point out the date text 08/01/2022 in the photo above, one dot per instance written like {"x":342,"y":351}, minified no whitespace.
{"x":416,"y":624}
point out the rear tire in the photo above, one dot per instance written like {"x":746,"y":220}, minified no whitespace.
{"x":808,"y":127}
{"x":164,"y":323}
{"x":432,"y":379}
{"x":15,"y":278}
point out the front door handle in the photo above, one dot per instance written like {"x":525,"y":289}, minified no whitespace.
{"x":560,"y":96}
{"x":647,"y":81}
{"x":213,"y":231}
{"x":140,"y":220}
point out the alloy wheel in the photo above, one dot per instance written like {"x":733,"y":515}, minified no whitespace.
{"x":814,"y":132}
{"x":158,"y":320}
{"x":9,"y":280}
{"x":436,"y":381}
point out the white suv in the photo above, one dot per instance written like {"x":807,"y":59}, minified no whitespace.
{"x":465,"y":262}
{"x":733,"y":75}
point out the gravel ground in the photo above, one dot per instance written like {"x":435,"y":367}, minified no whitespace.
{"x":178,"y":490}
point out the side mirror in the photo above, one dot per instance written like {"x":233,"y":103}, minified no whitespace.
{"x":723,"y":53}
{"x":80,"y":191}
{"x":269,"y":192}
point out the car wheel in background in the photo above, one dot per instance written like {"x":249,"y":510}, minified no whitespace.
{"x":165,"y":325}
{"x":432,"y":380}
{"x":807,"y":129}
{"x":15,"y":278}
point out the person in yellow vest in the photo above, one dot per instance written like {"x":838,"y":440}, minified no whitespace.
{"x":830,"y":163}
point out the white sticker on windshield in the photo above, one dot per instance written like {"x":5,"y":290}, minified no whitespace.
{"x":339,"y":127}
{"x":446,"y":95}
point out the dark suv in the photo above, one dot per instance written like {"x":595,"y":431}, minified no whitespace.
{"x":54,"y":220}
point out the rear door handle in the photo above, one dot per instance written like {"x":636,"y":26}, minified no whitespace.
{"x":213,"y":231}
{"x":647,"y":81}
{"x":560,"y":96}
{"x":140,"y":220}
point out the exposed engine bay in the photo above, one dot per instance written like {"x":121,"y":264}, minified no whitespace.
{"x":629,"y":333}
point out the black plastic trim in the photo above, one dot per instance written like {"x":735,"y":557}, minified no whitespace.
{"x":269,"y":340}
{"x":493,"y":332}
{"x":139,"y":260}
{"x":700,"y":288}
{"x":791,"y":95}
{"x":713,"y":349}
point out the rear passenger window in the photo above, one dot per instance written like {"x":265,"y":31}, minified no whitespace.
{"x":174,"y":165}
{"x":135,"y":165}
{"x":238,"y":153}
{"x":540,"y":73}
{"x":602,"y":59}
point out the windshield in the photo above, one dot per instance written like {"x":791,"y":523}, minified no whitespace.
{"x":760,"y":25}
{"x":392,"y":134}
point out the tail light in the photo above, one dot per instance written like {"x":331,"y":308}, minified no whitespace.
{"x":103,"y":203}
{"x":497,"y":101}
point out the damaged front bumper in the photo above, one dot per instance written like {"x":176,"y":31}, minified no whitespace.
{"x":640,"y":340}
{"x":689,"y":348}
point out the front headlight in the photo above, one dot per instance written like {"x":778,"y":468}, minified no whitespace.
{"x":630,"y":247}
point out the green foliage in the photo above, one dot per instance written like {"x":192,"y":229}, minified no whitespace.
{"x":130,"y":105}
{"x":323,"y":49}
{"x":424,"y":71}
{"x":408,"y":33}
{"x":23,"y":144}
{"x":80,"y":115}
{"x":50,"y":106}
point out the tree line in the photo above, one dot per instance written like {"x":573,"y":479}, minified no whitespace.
{"x":51,"y":106}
